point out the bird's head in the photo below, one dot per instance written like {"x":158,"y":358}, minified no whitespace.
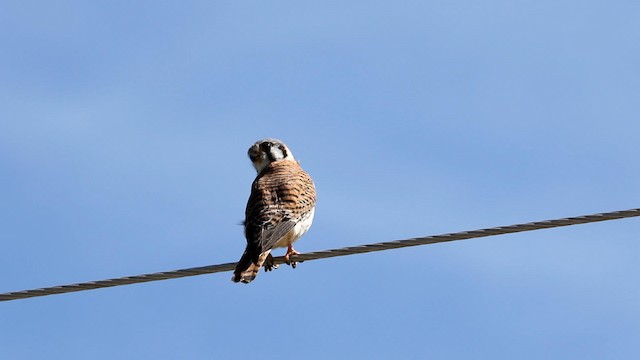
{"x":266,"y":151}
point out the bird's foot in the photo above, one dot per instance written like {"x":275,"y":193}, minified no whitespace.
{"x":269,"y":264}
{"x":287,"y":256}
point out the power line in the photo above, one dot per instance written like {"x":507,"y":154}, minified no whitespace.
{"x":351,"y":250}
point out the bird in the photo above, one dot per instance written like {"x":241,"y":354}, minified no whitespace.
{"x":279,"y":211}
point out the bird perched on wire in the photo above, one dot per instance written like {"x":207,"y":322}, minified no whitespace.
{"x":279,"y":211}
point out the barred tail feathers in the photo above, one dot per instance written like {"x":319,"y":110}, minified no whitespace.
{"x":246,"y":269}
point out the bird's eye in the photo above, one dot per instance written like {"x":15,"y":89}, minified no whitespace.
{"x":254,"y":154}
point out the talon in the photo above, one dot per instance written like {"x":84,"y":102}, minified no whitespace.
{"x":291,"y":251}
{"x":269,"y":264}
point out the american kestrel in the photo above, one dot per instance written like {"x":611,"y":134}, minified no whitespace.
{"x":280,"y":208}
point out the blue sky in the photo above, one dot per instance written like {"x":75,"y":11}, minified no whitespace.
{"x":123,"y":135}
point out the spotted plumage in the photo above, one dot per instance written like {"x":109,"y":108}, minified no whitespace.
{"x":280,"y":208}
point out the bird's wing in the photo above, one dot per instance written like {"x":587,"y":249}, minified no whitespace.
{"x":280,"y":196}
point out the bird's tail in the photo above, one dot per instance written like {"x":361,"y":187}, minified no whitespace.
{"x":247,"y":269}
